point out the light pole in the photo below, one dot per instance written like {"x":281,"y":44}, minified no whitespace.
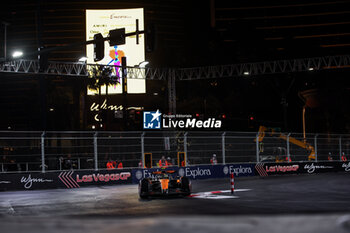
{"x":125,"y":89}
{"x":5,"y":38}
{"x":304,"y":123}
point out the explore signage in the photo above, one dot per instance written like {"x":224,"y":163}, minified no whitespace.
{"x":155,"y":120}
{"x":239,"y":170}
{"x":199,"y":172}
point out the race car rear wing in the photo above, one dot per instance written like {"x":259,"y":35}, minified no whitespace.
{"x":163,"y":171}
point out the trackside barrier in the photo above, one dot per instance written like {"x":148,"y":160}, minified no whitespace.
{"x":37,"y":151}
{"x":200,"y":172}
{"x":71,"y":179}
{"x":268,"y":169}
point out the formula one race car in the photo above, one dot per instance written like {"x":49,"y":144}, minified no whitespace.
{"x":164,"y":183}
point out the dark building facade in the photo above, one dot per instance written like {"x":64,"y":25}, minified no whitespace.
{"x":32,"y":102}
{"x":188,"y":34}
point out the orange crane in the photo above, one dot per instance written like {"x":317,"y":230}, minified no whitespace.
{"x":275,"y":132}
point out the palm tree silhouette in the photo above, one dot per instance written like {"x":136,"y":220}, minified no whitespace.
{"x":101,"y":75}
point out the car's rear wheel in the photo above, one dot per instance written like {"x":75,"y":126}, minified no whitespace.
{"x":185,"y":186}
{"x":144,"y":188}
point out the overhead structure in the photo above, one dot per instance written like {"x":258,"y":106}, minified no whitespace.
{"x":171,"y":75}
{"x":266,"y":67}
{"x":207,"y":72}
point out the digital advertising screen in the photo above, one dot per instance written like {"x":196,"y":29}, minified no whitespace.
{"x":102,"y":21}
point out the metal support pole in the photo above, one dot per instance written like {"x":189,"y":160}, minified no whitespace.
{"x":43,"y":152}
{"x":185,"y":146}
{"x":5,"y":39}
{"x":288,"y":149}
{"x":171,"y":94}
{"x":124,"y":94}
{"x":143,"y":149}
{"x":223,"y":148}
{"x":5,"y":42}
{"x":257,"y":149}
{"x":95,"y":151}
{"x":340,"y":150}
{"x":315,"y":144}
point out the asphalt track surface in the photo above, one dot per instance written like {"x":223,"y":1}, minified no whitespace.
{"x":303,"y":203}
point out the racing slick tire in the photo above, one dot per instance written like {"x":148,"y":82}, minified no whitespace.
{"x":185,"y":186}
{"x":144,"y":188}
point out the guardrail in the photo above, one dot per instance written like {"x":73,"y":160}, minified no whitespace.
{"x":23,"y":151}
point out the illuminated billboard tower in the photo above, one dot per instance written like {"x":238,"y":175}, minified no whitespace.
{"x":102,"y":21}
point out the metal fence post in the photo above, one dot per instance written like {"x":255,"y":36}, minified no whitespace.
{"x":223,"y":148}
{"x":185,"y":146}
{"x":288,"y":149}
{"x":340,"y":150}
{"x":43,"y":152}
{"x":95,"y":151}
{"x":257,"y":148}
{"x":315,"y":144}
{"x":143,"y":149}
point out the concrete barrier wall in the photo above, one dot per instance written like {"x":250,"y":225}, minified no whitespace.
{"x":76,"y":179}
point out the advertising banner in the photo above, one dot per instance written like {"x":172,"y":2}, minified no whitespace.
{"x":345,"y":166}
{"x":75,"y":179}
{"x":140,"y":173}
{"x":102,"y":21}
{"x":72,"y":179}
{"x":267,"y":169}
{"x":64,"y":179}
{"x":217,"y":171}
{"x":321,"y":167}
{"x":239,"y":170}
{"x":200,"y":172}
{"x":28,"y":181}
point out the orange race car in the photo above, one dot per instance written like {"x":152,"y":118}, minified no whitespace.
{"x":164,"y":183}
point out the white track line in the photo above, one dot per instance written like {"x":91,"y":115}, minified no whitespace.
{"x":216,"y":194}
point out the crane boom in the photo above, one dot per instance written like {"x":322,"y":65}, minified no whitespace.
{"x":274,"y":132}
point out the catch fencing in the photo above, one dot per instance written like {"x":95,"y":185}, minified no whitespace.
{"x":23,"y":151}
